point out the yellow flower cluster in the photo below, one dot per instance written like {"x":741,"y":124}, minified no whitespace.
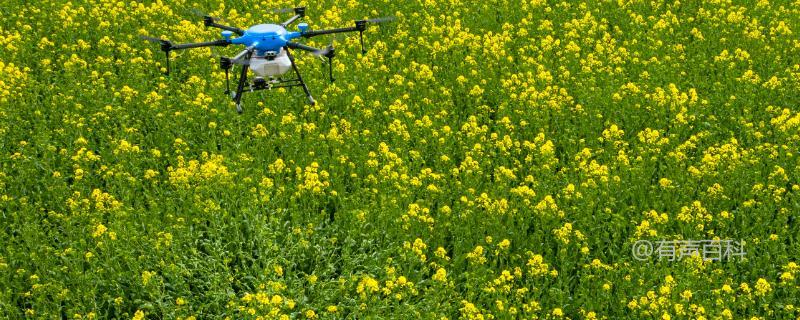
{"x":209,"y":168}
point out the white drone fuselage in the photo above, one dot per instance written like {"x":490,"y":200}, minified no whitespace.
{"x":266,"y":67}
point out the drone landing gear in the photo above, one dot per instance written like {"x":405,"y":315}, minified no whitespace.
{"x":260,"y":83}
{"x":300,"y":78}
{"x":237,"y":97}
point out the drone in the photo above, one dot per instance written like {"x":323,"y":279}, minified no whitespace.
{"x":267,"y":52}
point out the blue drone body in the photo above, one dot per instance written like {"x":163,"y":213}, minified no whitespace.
{"x":265,"y":37}
{"x":267,"y":52}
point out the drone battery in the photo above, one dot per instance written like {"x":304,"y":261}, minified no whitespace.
{"x":267,"y":67}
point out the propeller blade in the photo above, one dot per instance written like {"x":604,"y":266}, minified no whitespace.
{"x":166,"y":45}
{"x":241,"y":62}
{"x":281,"y":10}
{"x":380,"y":20}
{"x":323,"y":52}
{"x":151,"y":39}
{"x":328,"y":51}
{"x":199,"y":13}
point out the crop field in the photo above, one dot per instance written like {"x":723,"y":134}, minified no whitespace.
{"x":532,"y":159}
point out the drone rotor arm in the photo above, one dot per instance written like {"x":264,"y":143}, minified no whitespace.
{"x":314,"y":33}
{"x":231,"y":29}
{"x":209,"y":22}
{"x":300,"y":46}
{"x":242,"y":58}
{"x":360,"y":27}
{"x":291,"y":20}
{"x":329,"y":52}
{"x":216,"y":43}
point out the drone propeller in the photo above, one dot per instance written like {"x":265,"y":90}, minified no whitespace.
{"x":225,"y":63}
{"x":281,"y":10}
{"x":232,"y":61}
{"x":166,"y":46}
{"x":151,"y":39}
{"x":361,"y":26}
{"x":297,"y":10}
{"x":210,"y":21}
{"x":328,"y":52}
{"x":199,"y":13}
{"x":380,"y":20}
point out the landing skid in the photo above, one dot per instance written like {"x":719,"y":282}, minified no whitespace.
{"x":261,"y":84}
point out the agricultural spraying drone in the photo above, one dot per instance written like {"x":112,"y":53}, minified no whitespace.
{"x":267,"y":52}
